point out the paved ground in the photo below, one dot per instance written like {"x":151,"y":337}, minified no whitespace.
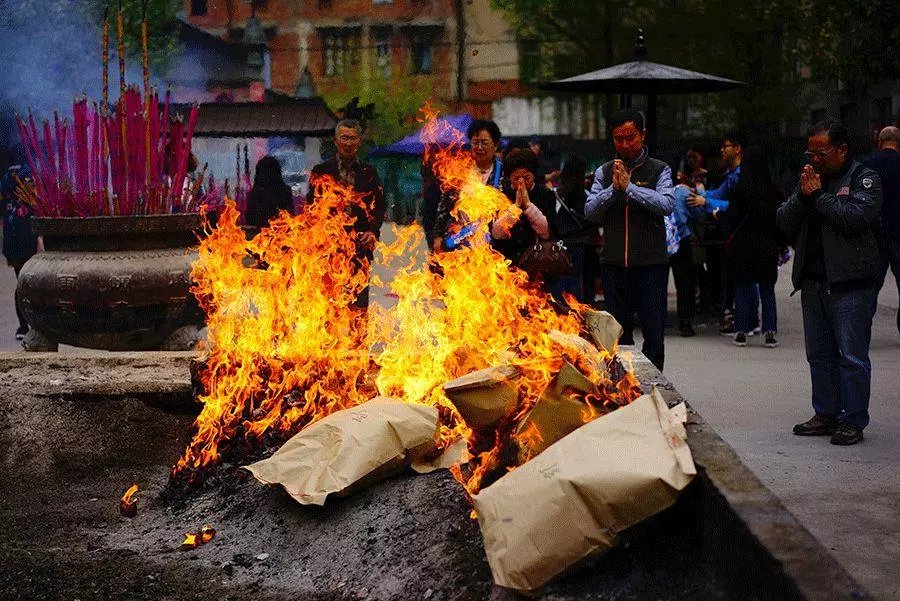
{"x":849,"y":498}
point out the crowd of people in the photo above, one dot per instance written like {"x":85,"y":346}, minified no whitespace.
{"x":634,"y":219}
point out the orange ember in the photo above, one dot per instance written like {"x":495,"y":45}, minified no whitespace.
{"x":190,"y":542}
{"x":128,"y":504}
{"x":286,"y":348}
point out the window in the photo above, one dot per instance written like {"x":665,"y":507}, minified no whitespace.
{"x":382,"y":48}
{"x":382,"y":1}
{"x":421,"y":52}
{"x":198,"y":8}
{"x":340,"y":51}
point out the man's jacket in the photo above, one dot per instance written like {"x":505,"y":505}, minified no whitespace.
{"x":368,"y":218}
{"x":634,"y":230}
{"x":847,"y":207}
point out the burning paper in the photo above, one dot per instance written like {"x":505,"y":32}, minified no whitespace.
{"x":351,"y":449}
{"x":287,"y":348}
{"x":128,"y":504}
{"x":574,"y":498}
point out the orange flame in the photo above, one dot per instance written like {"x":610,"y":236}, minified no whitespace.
{"x":128,"y":504}
{"x":286,"y":348}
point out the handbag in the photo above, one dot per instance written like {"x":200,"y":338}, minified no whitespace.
{"x":546,"y":258}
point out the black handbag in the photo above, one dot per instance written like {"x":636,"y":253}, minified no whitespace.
{"x":546,"y":258}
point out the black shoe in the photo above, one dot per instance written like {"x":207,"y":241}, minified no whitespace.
{"x":727,"y":330}
{"x":740,"y":339}
{"x":771,"y":341}
{"x":847,"y":434}
{"x":20,"y":333}
{"x":819,"y":425}
{"x":686,"y":329}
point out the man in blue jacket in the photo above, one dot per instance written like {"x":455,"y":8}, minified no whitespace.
{"x":831,"y":217}
{"x":630,"y":197}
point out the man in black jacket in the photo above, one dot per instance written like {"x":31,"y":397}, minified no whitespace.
{"x":830,"y":217}
{"x":887,"y":165}
{"x":347,"y":169}
{"x":630,"y":197}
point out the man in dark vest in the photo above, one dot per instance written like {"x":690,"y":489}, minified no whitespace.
{"x":630,"y":197}
{"x":347,"y":169}
{"x":831,"y":218}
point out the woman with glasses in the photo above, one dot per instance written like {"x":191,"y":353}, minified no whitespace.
{"x":511,"y":234}
{"x":484,"y":140}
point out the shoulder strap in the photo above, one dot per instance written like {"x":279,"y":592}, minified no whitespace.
{"x":497,"y":166}
{"x":575,"y":216}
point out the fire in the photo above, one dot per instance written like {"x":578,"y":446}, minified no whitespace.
{"x":128,"y":504}
{"x":286,"y":348}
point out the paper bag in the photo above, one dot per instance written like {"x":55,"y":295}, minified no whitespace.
{"x":351,"y":449}
{"x":604,"y":328}
{"x":574,"y":498}
{"x":483,"y":397}
{"x":579,"y":347}
{"x":557,"y":413}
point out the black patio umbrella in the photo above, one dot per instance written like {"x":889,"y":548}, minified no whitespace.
{"x":642,"y":77}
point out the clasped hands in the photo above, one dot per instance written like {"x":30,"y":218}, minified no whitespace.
{"x":621,"y":175}
{"x":809,"y":181}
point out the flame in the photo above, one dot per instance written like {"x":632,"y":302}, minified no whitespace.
{"x":190,"y":541}
{"x":128,"y":504}
{"x":287,"y":348}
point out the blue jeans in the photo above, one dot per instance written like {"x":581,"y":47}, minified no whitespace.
{"x":642,"y":289}
{"x":746,"y":299}
{"x":890,"y":257}
{"x":837,"y":327}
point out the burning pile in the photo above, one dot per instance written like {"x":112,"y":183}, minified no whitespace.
{"x":286,"y":348}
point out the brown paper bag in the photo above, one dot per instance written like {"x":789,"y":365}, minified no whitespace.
{"x":557,"y":413}
{"x":483,"y":397}
{"x":351,"y":449}
{"x":588,"y":353}
{"x":604,"y":328}
{"x":574,"y":498}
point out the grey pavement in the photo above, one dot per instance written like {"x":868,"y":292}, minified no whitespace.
{"x":847,"y":497}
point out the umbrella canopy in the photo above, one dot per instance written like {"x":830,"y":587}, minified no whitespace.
{"x":643,"y":77}
{"x":448,"y":127}
{"x":640,"y":76}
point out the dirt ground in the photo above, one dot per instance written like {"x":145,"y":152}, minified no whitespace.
{"x":68,"y":453}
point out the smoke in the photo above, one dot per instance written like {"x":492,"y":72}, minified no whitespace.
{"x":52,"y":52}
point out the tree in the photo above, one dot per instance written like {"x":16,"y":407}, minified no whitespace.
{"x":856,"y":41}
{"x":162,"y":33}
{"x":396,"y":103}
{"x":750,"y":42}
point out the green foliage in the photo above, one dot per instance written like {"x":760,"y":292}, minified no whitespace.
{"x":760,"y":43}
{"x":396,"y":103}
{"x":856,"y":41}
{"x":162,"y":28}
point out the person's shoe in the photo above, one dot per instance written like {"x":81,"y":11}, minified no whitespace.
{"x":846,"y":434}
{"x":740,"y":339}
{"x":686,"y":329}
{"x":819,"y":425}
{"x":20,"y":333}
{"x":754,"y":331}
{"x":771,"y":341}
{"x":727,"y":329}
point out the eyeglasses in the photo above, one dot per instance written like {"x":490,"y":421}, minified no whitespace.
{"x":482,"y":143}
{"x":819,"y":154}
{"x":724,"y":146}
{"x":348,"y":138}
